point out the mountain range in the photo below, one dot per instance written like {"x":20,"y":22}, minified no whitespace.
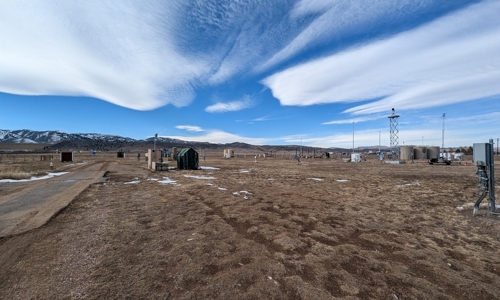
{"x":55,"y":139}
{"x":26,"y":136}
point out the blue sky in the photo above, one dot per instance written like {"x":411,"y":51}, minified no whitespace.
{"x":261,"y":72}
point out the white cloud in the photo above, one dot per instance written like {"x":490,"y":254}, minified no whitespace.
{"x":354,"y":120}
{"x":342,"y":18}
{"x":261,"y":119}
{"x":121,"y":52}
{"x":231,"y":37}
{"x":446,"y":61}
{"x":222,"y":137}
{"x":190,"y":128}
{"x":146,"y":54}
{"x":221,"y":107}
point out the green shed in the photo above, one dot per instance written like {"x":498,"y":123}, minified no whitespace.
{"x":187,"y":159}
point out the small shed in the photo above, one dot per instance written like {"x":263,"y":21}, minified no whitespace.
{"x":228,"y":151}
{"x":187,"y":159}
{"x":355,"y":157}
{"x":67,"y":156}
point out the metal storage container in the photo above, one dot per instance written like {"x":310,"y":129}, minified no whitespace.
{"x":420,"y":152}
{"x":433,"y":152}
{"x":406,"y":153}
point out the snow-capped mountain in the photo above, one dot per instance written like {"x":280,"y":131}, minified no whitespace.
{"x":52,"y":136}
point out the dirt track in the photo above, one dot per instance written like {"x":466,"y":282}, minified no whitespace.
{"x":29,"y":205}
{"x":320,"y":230}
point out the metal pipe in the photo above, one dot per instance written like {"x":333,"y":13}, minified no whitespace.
{"x":442,"y":146}
{"x":379,"y":142}
{"x":154,"y":147}
{"x":492,"y":178}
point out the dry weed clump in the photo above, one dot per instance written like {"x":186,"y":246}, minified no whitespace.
{"x":14,"y":174}
{"x":18,"y":166}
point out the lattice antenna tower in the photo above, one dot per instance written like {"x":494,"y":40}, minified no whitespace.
{"x":393,"y":119}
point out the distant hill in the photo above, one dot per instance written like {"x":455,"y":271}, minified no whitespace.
{"x":26,"y":136}
{"x":59,"y":140}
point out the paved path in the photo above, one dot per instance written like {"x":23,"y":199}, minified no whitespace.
{"x":30,"y":205}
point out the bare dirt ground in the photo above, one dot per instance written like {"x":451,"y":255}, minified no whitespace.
{"x":274,"y":229}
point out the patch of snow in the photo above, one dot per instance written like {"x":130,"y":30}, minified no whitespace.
{"x":133,"y":182}
{"x":245,"y":192}
{"x":199,"y":177}
{"x":317,"y":179}
{"x":210,"y":184}
{"x":153,"y":179}
{"x":236,"y":193}
{"x":222,"y":189}
{"x":460,"y":208}
{"x":56,"y":174}
{"x":342,"y":180}
{"x":167,"y":180}
{"x":270,"y":179}
{"x":209,"y":168}
{"x":244,"y":171}
{"x":416,"y":183}
{"x":49,"y":175}
{"x":245,"y":197}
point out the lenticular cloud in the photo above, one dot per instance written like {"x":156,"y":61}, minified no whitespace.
{"x":121,"y":52}
{"x":451,"y":60}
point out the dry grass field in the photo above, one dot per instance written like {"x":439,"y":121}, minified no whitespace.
{"x":271,"y":229}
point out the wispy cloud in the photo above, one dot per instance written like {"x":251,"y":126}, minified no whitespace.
{"x":338,"y":19}
{"x":267,"y":118}
{"x":190,"y":128}
{"x":143,"y":55}
{"x":261,"y":119}
{"x":221,"y":107}
{"x":222,"y":137}
{"x":354,"y":120}
{"x":121,"y":52}
{"x":446,"y":61}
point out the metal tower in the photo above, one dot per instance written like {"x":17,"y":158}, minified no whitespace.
{"x":393,"y":119}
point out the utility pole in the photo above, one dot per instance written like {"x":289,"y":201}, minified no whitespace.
{"x":379,"y":142}
{"x":497,"y":145}
{"x":154,"y":147}
{"x":301,"y":146}
{"x":442,"y":145}
{"x":352,"y":137}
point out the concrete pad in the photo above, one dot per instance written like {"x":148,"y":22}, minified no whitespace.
{"x":32,"y":205}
